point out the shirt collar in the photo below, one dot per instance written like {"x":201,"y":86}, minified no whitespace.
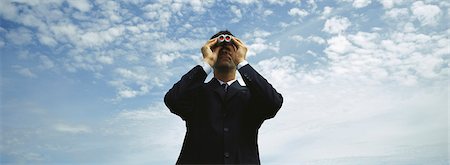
{"x":229,"y":82}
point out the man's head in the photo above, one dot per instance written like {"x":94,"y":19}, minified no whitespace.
{"x":227,"y":50}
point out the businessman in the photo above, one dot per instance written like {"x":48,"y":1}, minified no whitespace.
{"x":222,"y":117}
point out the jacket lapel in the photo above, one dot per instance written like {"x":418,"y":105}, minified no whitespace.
{"x":234,"y":88}
{"x":217,"y":88}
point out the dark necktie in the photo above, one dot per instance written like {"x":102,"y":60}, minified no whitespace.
{"x":225,"y":87}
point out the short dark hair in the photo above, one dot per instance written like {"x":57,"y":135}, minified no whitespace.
{"x":220,"y":33}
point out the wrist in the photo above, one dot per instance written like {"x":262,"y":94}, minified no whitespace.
{"x":238,"y":61}
{"x":241,"y":64}
{"x":208,"y":61}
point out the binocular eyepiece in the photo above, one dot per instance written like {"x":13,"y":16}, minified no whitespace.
{"x":224,"y":39}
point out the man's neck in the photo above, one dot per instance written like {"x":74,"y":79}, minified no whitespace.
{"x":225,"y":76}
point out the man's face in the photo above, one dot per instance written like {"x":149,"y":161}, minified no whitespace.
{"x":227,"y":53}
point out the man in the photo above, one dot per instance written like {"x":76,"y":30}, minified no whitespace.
{"x":222,"y":117}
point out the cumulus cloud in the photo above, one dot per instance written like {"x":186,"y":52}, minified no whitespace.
{"x":47,"y":40}
{"x":426,"y":14}
{"x":132,"y":82}
{"x":331,"y":102}
{"x":268,"y":12}
{"x":391,"y":3}
{"x":24,"y":71}
{"x":326,"y":12}
{"x":237,"y":13}
{"x":105,"y":59}
{"x":361,"y":55}
{"x":20,"y":36}
{"x":8,"y":10}
{"x":298,"y":12}
{"x":257,"y":42}
{"x":398,"y":14}
{"x":164,"y":59}
{"x":361,"y":3}
{"x":93,"y":38}
{"x":81,"y":5}
{"x":336,"y":25}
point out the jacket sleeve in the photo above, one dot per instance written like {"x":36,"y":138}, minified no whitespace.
{"x":180,"y":98}
{"x":266,"y":99}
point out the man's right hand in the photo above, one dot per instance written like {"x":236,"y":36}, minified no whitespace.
{"x":210,"y":56}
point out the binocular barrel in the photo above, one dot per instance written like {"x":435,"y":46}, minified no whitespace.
{"x":224,"y":38}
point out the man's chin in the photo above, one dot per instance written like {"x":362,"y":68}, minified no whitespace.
{"x":224,"y":66}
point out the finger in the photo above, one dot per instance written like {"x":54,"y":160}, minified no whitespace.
{"x":216,"y":49}
{"x":211,"y":42}
{"x":238,"y":42}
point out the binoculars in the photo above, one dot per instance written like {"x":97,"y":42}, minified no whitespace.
{"x":224,"y":39}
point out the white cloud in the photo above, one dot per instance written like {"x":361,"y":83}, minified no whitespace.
{"x":8,"y":10}
{"x":390,"y":3}
{"x":267,"y":12}
{"x":72,"y":129}
{"x":81,"y":5}
{"x":146,"y":114}
{"x":368,"y":57}
{"x":47,"y":40}
{"x":426,"y":14}
{"x":46,"y":62}
{"x":298,"y":12}
{"x":135,"y":81}
{"x":282,"y":2}
{"x":180,"y":44}
{"x":24,"y":71}
{"x":326,"y":12}
{"x":338,"y":44}
{"x":245,"y":1}
{"x":19,"y":36}
{"x":104,"y":59}
{"x":312,"y":5}
{"x":315,"y":39}
{"x":257,"y":42}
{"x":164,"y":59}
{"x":398,"y":14}
{"x":336,"y":25}
{"x":199,"y":6}
{"x":332,"y":105}
{"x":90,"y":39}
{"x":282,"y":72}
{"x":361,"y":3}
{"x":67,"y":33}
{"x":144,"y":129}
{"x":365,"y":40}
{"x":297,"y":38}
{"x":380,"y":84}
{"x":237,"y":13}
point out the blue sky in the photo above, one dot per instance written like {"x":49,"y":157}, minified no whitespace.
{"x":364,"y":81}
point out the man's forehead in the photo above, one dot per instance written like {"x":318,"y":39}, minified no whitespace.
{"x":225,"y":32}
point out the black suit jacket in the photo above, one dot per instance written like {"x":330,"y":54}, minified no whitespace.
{"x":222,"y":127}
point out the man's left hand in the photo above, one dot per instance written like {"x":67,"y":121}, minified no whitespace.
{"x":241,"y":53}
